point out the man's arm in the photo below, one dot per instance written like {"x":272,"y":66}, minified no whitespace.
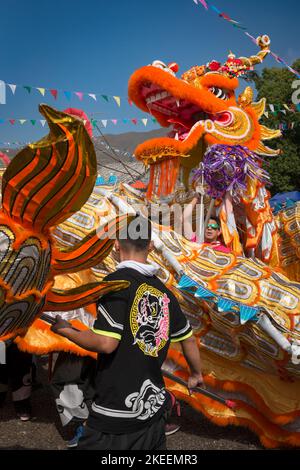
{"x":85,"y":339}
{"x":192,"y":356}
{"x":187,"y":218}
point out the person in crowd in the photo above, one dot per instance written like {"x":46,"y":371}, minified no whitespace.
{"x":212,"y":232}
{"x":131,"y":335}
{"x":16,"y":373}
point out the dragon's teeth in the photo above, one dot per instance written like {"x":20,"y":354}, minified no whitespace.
{"x":176,"y":136}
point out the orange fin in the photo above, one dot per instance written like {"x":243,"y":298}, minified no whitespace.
{"x":71,"y":299}
{"x":51,"y":179}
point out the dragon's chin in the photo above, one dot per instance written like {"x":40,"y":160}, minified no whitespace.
{"x":180,"y":143}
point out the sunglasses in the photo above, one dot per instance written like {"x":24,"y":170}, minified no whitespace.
{"x":214,"y":226}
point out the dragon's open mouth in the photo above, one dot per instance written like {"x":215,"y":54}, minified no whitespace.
{"x":182,"y":115}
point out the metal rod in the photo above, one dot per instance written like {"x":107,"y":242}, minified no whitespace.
{"x":229,"y":403}
{"x":116,"y":156}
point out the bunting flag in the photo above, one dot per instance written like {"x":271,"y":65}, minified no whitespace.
{"x":236,"y":24}
{"x":79,"y":94}
{"x":42,"y":91}
{"x":68,"y":94}
{"x":54,"y":93}
{"x":276,"y":109}
{"x":12,"y":87}
{"x":117,"y":100}
{"x":223,"y":304}
{"x":2,"y":92}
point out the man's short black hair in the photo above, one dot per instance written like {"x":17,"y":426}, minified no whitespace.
{"x":136,"y":235}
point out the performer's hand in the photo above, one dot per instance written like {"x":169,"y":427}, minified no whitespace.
{"x":59,"y":325}
{"x":195,"y":380}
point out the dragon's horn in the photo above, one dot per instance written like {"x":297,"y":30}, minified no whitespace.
{"x":263,"y":42}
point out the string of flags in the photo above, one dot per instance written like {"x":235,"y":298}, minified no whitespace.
{"x":55,"y":92}
{"x":236,"y":24}
{"x":223,"y":304}
{"x":274,"y":109}
{"x":103,"y":122}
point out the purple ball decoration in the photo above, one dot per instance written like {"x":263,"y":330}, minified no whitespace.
{"x":226,"y":168}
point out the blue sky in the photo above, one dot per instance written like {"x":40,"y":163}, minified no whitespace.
{"x":94,"y":46}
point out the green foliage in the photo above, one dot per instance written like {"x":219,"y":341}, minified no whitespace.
{"x":275,"y":84}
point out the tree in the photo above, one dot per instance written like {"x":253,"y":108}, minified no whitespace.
{"x":275,"y":84}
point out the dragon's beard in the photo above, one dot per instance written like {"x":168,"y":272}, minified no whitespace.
{"x":166,"y":156}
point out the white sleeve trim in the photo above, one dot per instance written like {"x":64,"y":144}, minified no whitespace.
{"x":109,"y":319}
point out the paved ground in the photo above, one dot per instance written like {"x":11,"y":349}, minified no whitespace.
{"x":45,"y":431}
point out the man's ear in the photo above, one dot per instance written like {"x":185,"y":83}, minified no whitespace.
{"x":151,"y":246}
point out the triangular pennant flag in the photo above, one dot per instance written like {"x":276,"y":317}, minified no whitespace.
{"x":12,"y":121}
{"x":266,"y":113}
{"x":2,"y":92}
{"x":188,"y":284}
{"x":117,"y":100}
{"x":92,"y":96}
{"x":286,"y":107}
{"x":28,"y":88}
{"x":272,"y":108}
{"x":42,"y":91}
{"x":104,"y":122}
{"x":130,"y":102}
{"x":114,"y":121}
{"x":125,"y":121}
{"x":225,"y":16}
{"x":79,"y":94}
{"x":22,"y":121}
{"x":203,"y":293}
{"x":67,"y":95}
{"x":203,"y":2}
{"x":33,"y":121}
{"x":134,"y":121}
{"x":225,"y":305}
{"x":144,"y":121}
{"x":238,"y":25}
{"x":54,"y":93}
{"x":154,"y":120}
{"x":43,"y":122}
{"x":105,"y":97}
{"x":247,"y":313}
{"x":215,"y":9}
{"x":93,"y":122}
{"x":12,"y":87}
{"x":298,"y":106}
{"x":196,"y":1}
{"x":283,"y":111}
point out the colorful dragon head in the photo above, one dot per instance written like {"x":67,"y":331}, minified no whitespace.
{"x":202,"y":109}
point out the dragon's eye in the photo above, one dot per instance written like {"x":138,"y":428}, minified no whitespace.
{"x":219,"y":93}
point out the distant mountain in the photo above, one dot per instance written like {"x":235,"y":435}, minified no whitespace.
{"x":128,"y":141}
{"x":113,"y":147}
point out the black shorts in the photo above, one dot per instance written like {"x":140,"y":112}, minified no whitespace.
{"x":149,"y":438}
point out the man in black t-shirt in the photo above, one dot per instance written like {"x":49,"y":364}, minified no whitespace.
{"x":132,"y":333}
